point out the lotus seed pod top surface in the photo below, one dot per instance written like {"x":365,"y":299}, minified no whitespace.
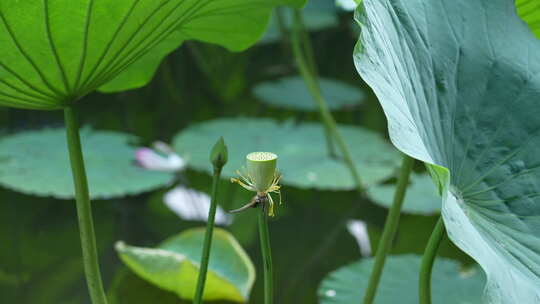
{"x":261,"y":168}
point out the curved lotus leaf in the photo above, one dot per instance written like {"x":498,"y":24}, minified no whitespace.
{"x":33,"y":162}
{"x":460,"y":89}
{"x":399,"y":282}
{"x":421,"y":197}
{"x":292,"y":93}
{"x":174,"y":265}
{"x":55,"y":52}
{"x":529,"y":11}
{"x":303,"y":157}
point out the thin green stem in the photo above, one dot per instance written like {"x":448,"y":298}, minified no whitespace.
{"x":280,"y":11}
{"x":427,"y":261}
{"x":390,"y":229}
{"x":313,"y":86}
{"x":267,"y":256}
{"x":84,"y":209}
{"x":305,"y":49}
{"x":207,"y":240}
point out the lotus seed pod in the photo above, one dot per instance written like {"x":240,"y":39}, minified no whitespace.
{"x":261,"y":168}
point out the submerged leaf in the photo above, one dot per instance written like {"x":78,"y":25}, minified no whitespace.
{"x":292,"y":93}
{"x":33,"y":162}
{"x":174,"y":265}
{"x":460,"y":82}
{"x":55,"y":52}
{"x":304,"y":160}
{"x":399,"y":282}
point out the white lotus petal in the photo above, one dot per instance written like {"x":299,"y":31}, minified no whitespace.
{"x":193,"y":205}
{"x":359,"y":231}
{"x":165,"y":160}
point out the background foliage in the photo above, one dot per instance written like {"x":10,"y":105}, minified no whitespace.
{"x":39,"y":248}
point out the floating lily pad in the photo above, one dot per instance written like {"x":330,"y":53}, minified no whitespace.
{"x":399,"y":282}
{"x":460,"y":90}
{"x":421,"y":198}
{"x":292,"y":93}
{"x":302,"y":151}
{"x":317,"y":14}
{"x":34,"y":162}
{"x":174,"y":265}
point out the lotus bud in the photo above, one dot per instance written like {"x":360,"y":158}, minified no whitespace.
{"x":261,"y":169}
{"x":219,"y":154}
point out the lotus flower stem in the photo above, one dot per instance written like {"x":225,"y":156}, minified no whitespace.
{"x":390,"y":229}
{"x":84,"y":209}
{"x":207,"y":241}
{"x":310,"y":78}
{"x":266,"y":254}
{"x":427,"y":261}
{"x":218,"y":157}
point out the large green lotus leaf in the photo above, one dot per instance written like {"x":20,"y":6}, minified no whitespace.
{"x":292,"y":93}
{"x":399,"y":282}
{"x":421,"y":197}
{"x":460,"y":89}
{"x":529,"y":10}
{"x":174,"y":265}
{"x":33,"y":162}
{"x":303,"y":157}
{"x":55,"y":52}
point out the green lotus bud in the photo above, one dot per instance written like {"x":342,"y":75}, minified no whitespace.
{"x":261,"y":169}
{"x":219,"y":154}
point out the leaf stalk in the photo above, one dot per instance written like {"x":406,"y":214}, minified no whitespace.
{"x":303,"y":55}
{"x":427,"y":261}
{"x":84,"y":208}
{"x":390,"y":229}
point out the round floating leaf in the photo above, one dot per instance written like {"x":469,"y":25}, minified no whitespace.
{"x":421,"y":198}
{"x":317,"y":14}
{"x":529,"y":11}
{"x":292,"y":93}
{"x":302,"y":151}
{"x":35,"y":163}
{"x":55,"y":52}
{"x":174,"y":265}
{"x":399,"y":282}
{"x":460,"y":89}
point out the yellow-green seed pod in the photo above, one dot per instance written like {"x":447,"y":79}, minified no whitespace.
{"x":261,"y":169}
